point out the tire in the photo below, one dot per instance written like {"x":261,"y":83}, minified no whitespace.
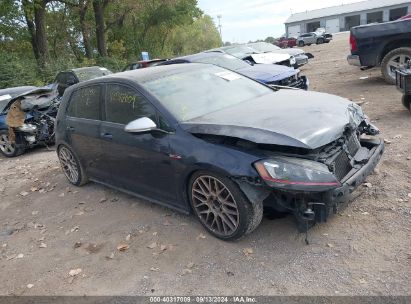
{"x":229,"y":215}
{"x":406,"y":101}
{"x":300,"y":43}
{"x":393,"y":60}
{"x":8,"y":149}
{"x":320,"y":41}
{"x":71,"y":166}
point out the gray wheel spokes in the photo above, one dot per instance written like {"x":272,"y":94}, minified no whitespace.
{"x":68,"y":165}
{"x":5,"y":145}
{"x":396,"y":62}
{"x":215,"y":205}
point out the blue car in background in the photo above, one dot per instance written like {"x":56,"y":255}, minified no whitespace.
{"x":269,"y":74}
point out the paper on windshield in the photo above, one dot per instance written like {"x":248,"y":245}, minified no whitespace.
{"x":229,"y":76}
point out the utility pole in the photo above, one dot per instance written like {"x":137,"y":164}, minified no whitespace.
{"x":219,"y":26}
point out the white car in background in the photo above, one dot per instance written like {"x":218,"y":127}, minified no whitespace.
{"x":255,"y":57}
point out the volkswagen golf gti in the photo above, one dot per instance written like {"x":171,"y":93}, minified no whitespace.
{"x":205,"y":140}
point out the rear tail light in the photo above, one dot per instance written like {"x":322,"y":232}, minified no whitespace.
{"x":353,"y":43}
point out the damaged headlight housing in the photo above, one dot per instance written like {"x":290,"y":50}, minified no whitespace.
{"x":293,"y":60}
{"x":28,"y":128}
{"x":296,"y":174}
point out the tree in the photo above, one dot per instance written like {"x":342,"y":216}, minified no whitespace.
{"x":35,"y":15}
{"x":99,"y":7}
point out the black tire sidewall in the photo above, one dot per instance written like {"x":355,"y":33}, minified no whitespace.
{"x":300,"y":43}
{"x":406,"y":101}
{"x":243,"y":205}
{"x":386,"y":60}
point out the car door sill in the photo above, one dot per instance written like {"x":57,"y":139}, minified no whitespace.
{"x":168,"y":205}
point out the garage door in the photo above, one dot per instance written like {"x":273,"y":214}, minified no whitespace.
{"x":332,"y":25}
{"x":294,"y":31}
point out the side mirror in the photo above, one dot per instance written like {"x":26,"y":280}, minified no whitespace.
{"x":140,"y":125}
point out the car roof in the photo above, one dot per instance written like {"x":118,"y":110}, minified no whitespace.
{"x":144,"y":75}
{"x":92,"y":68}
{"x":201,"y":55}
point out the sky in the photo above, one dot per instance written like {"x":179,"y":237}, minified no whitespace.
{"x":249,"y":20}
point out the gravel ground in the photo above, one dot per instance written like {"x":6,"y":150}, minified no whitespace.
{"x":60,"y":240}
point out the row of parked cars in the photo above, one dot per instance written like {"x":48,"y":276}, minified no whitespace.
{"x":212,"y":134}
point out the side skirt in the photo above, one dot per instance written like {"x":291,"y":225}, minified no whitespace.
{"x":168,"y":205}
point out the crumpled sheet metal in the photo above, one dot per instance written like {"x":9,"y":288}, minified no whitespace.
{"x":15,"y":118}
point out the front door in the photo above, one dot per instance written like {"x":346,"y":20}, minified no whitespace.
{"x":138,"y":162}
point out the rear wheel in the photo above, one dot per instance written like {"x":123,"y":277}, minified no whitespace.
{"x":221,"y":207}
{"x":7,"y":148}
{"x":301,"y":43}
{"x":392,"y":61}
{"x":71,"y":167}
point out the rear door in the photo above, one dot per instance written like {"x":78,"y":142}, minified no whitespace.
{"x":83,"y":129}
{"x":138,"y":162}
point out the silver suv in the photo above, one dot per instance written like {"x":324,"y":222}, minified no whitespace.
{"x":313,"y":38}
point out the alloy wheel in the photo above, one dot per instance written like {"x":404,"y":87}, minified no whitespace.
{"x":69,"y":164}
{"x":396,"y":62}
{"x":6,"y":146}
{"x":215,"y":205}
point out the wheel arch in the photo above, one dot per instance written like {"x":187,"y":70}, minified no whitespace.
{"x":392,"y":45}
{"x":252,"y":189}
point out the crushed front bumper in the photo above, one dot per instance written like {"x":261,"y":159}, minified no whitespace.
{"x":338,"y":198}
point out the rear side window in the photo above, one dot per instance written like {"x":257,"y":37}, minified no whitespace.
{"x":85,"y":103}
{"x":123,"y":105}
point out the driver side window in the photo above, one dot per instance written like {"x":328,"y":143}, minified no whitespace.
{"x":124,"y":105}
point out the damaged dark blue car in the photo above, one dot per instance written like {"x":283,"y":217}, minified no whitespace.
{"x":202,"y":139}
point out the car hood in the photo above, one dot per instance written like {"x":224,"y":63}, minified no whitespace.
{"x":269,"y":58}
{"x":289,"y":51}
{"x":267,"y":72}
{"x":287,"y":117}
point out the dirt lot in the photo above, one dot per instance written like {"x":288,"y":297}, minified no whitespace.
{"x":365,"y":250}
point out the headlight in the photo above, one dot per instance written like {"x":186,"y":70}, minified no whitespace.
{"x":29,"y":128}
{"x":296,"y":174}
{"x":292,"y":60}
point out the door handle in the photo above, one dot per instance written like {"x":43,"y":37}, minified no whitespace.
{"x":71,"y":129}
{"x":107,"y":136}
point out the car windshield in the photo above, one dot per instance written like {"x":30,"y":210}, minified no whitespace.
{"x":206,"y":89}
{"x":85,"y":74}
{"x":264,"y":47}
{"x":240,"y":51}
{"x":224,"y":61}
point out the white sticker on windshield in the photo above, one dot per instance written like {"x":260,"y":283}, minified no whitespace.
{"x":230,"y":76}
{"x":103,"y":69}
{"x":5,"y":97}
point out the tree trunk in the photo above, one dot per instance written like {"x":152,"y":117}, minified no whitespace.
{"x":85,"y":31}
{"x":31,"y":28}
{"x":41,"y":35}
{"x":98,"y":7}
{"x":35,"y":14}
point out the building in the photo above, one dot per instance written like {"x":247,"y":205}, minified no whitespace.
{"x":343,"y":17}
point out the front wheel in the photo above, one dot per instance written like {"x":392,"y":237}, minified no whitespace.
{"x":300,"y":43}
{"x":71,"y":166}
{"x":7,"y":148}
{"x":221,"y":207}
{"x":320,"y":41}
{"x":392,"y":61}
